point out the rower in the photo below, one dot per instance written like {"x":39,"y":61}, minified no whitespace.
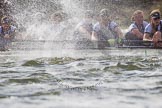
{"x":58,"y":25}
{"x":7,"y":33}
{"x":57,"y":17}
{"x":106,"y":30}
{"x":136,"y":29}
{"x":84,"y":28}
{"x":153,"y":31}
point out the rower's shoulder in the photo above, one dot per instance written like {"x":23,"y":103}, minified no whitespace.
{"x":145,"y":23}
{"x":13,"y":27}
{"x":113,"y":22}
{"x":0,"y":29}
{"x":96,"y":25}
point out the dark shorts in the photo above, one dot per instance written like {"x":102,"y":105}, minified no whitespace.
{"x":132,"y":40}
{"x":130,"y":36}
{"x":4,"y":42}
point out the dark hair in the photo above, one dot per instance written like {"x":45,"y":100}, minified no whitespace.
{"x":89,"y":13}
{"x":5,"y":20}
{"x":105,"y":12}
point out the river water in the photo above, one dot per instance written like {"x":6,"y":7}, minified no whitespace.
{"x":124,"y":78}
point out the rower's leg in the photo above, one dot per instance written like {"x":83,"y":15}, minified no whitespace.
{"x":156,"y":38}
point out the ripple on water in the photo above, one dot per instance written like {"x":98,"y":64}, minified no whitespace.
{"x":24,"y":80}
{"x":50,"y":61}
{"x":131,"y":79}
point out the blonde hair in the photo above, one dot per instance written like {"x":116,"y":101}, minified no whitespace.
{"x":105,"y":12}
{"x":137,"y":12}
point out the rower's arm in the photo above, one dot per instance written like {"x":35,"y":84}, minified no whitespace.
{"x":94,"y":36}
{"x":1,"y":35}
{"x":11,"y":35}
{"x":119,"y":32}
{"x":147,"y":37}
{"x":84,"y":31}
{"x":137,"y":33}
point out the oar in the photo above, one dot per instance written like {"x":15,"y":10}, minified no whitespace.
{"x":122,"y":41}
{"x":123,"y":44}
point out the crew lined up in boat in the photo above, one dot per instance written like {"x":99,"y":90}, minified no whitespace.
{"x":153,"y":31}
{"x":105,"y":30}
{"x":7,"y":32}
{"x":84,"y":29}
{"x":136,"y":29}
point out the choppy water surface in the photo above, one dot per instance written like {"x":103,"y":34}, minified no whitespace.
{"x":91,"y":80}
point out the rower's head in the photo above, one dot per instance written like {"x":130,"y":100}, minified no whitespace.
{"x":57,"y":17}
{"x":138,"y":17}
{"x":5,"y":22}
{"x":88,"y":14}
{"x":104,"y":15}
{"x":155,"y":16}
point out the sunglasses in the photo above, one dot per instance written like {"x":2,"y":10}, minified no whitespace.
{"x":156,"y":18}
{"x":104,"y":16}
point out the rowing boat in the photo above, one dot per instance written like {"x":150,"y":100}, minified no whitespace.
{"x":81,"y":45}
{"x":35,"y":49}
